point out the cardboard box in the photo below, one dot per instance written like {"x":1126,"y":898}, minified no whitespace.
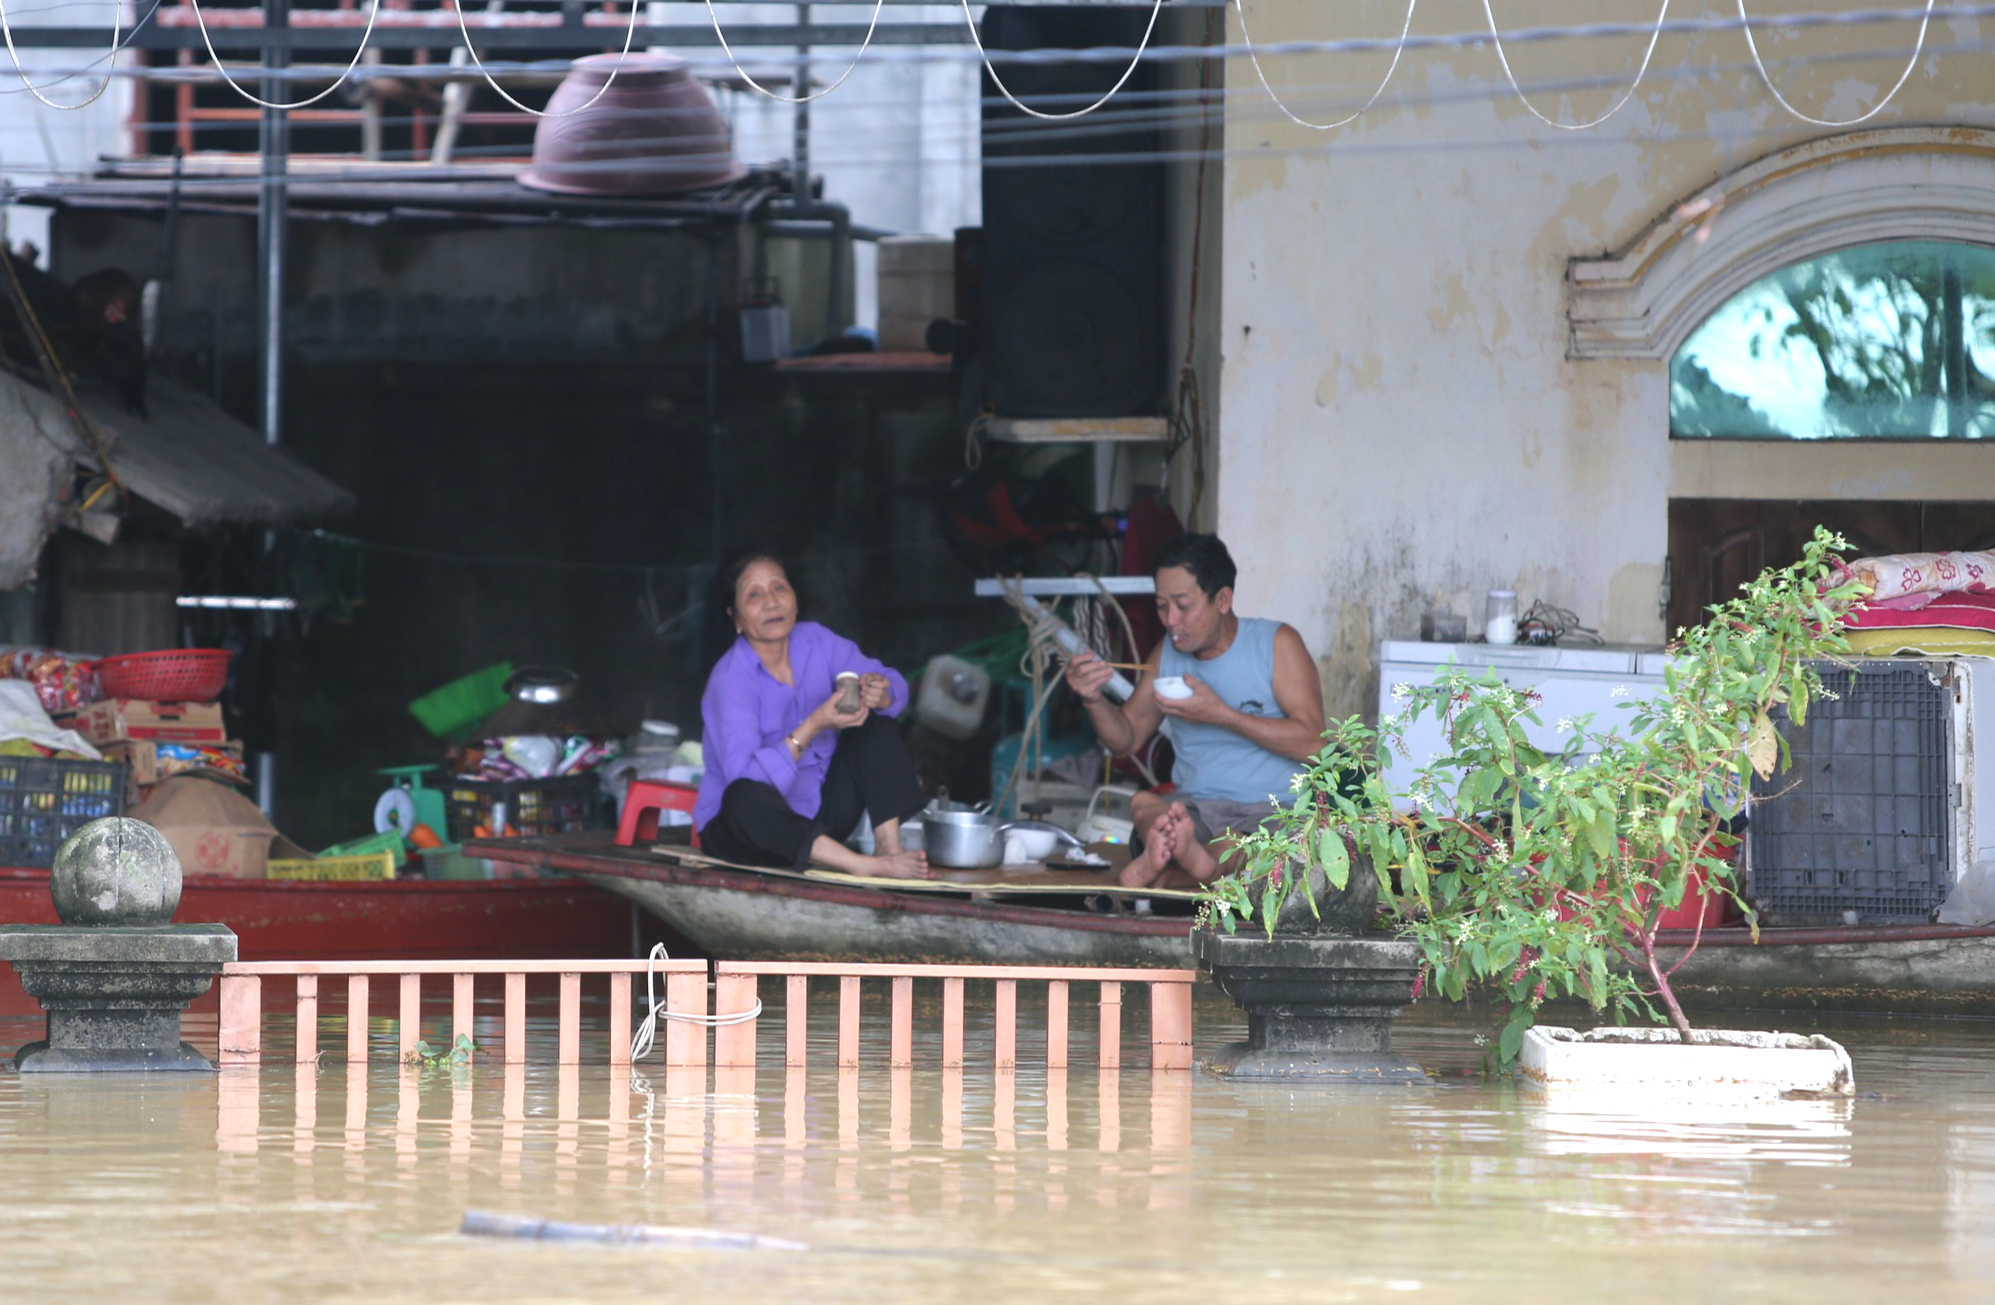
{"x":214,"y":829}
{"x":118,"y":719}
{"x":149,"y":761}
{"x":373,"y":865}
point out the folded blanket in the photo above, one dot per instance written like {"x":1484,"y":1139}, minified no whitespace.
{"x":1956,"y":611}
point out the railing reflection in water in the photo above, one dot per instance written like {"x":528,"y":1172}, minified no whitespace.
{"x":761,"y":1109}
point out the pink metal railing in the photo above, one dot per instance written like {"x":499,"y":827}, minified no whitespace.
{"x":736,"y":984}
{"x":685,"y":983}
{"x":242,"y":1005}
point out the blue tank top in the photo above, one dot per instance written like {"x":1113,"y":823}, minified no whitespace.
{"x":1213,"y":761}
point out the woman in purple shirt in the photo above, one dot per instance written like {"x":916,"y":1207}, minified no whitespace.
{"x":787,"y":773}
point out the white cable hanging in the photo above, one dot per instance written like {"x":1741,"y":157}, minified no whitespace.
{"x":647,"y":1031}
{"x":117,"y":32}
{"x":629,"y":35}
{"x":1613,"y":108}
{"x":1248,"y":40}
{"x":1157,"y":7}
{"x":809,"y":94}
{"x":1917,"y":47}
{"x":373,"y":11}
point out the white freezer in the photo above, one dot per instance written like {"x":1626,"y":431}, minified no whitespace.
{"x":1599,"y":681}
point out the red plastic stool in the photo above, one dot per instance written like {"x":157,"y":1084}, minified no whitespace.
{"x":641,"y":805}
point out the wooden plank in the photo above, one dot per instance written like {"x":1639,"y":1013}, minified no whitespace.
{"x":686,"y":1042}
{"x":619,"y":1027}
{"x":460,"y":1007}
{"x":516,"y":1019}
{"x":241,"y":1031}
{"x":734,"y":1044}
{"x":902,"y":1022}
{"x":308,"y":1018}
{"x":848,"y":1022}
{"x":1170,"y":1026}
{"x":356,"y":1019}
{"x":571,"y":1018}
{"x":952,"y":1024}
{"x":1111,"y":1025}
{"x":796,"y":1020}
{"x":409,"y":1021}
{"x":1076,"y":973}
{"x":1007,"y":1024}
{"x":1056,"y":1024}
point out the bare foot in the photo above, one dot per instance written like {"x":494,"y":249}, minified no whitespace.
{"x":1149,"y":865}
{"x":1193,"y":857}
{"x":887,"y":837}
{"x":900,"y":865}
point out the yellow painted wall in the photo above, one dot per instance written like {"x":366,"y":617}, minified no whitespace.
{"x":1400,"y":427}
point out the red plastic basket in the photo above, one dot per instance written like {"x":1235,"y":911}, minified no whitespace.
{"x":176,"y":675}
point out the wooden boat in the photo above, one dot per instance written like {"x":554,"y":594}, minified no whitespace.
{"x":748,"y":914}
{"x":752,"y":914}
{"x":398,"y":919}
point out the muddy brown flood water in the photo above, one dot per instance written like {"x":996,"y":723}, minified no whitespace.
{"x":317,"y":1184}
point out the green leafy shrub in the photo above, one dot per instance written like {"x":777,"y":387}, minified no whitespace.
{"x":1535,"y":874}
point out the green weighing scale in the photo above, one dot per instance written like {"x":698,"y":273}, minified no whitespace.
{"x":407,"y":802}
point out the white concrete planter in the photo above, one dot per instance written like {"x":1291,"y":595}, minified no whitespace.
{"x":1723,"y":1064}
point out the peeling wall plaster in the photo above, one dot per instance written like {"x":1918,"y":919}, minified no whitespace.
{"x":1402,"y":428}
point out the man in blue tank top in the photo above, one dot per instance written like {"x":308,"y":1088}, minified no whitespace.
{"x":1250,"y":714}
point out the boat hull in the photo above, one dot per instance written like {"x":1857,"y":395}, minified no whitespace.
{"x":403,"y":919}
{"x":1934,"y":969}
{"x":743,"y":915}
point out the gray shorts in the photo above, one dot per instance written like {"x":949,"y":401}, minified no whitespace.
{"x":1211,"y":817}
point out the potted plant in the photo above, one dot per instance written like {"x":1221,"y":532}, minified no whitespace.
{"x":1536,"y":873}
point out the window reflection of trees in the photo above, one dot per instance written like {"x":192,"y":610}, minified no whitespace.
{"x":1885,"y":341}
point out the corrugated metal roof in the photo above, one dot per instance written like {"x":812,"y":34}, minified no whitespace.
{"x":193,"y":459}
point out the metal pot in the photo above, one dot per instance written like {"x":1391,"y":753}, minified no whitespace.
{"x":962,"y":840}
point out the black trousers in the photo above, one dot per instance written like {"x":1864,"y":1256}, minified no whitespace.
{"x":870,"y":774}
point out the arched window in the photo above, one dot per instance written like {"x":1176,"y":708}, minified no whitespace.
{"x":1889,"y":340}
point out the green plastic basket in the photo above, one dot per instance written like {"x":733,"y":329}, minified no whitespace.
{"x":388,"y":841}
{"x":455,"y":710}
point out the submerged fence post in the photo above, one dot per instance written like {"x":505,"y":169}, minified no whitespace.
{"x":734,"y":1044}
{"x":307,"y":1048}
{"x":241,"y":1019}
{"x":356,"y":1019}
{"x":1170,"y":1026}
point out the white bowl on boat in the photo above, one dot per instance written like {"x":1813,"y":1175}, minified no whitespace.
{"x":1025,"y":845}
{"x":1171,"y":686}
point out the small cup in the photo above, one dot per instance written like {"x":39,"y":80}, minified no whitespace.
{"x":1171,"y":686}
{"x":848,"y":691}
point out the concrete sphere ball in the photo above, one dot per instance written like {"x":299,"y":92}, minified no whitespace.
{"x":116,"y":871}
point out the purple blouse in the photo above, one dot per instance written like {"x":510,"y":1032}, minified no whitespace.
{"x":747,"y":712}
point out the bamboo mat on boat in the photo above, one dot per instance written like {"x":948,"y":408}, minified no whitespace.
{"x":1033,"y":880}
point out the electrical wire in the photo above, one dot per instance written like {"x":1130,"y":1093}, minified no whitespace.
{"x":1398,"y":50}
{"x":1612,"y":109}
{"x":1753,"y":45}
{"x":117,"y":31}
{"x":1156,"y":7}
{"x":200,"y":20}
{"x":807,"y":98}
{"x":629,"y":35}
{"x":647,"y":1030}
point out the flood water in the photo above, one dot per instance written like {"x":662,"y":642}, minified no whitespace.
{"x":321,"y":1184}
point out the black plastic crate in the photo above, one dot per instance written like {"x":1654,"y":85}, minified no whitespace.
{"x":533,"y":806}
{"x":44,"y":800}
{"x":1861,"y":822}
